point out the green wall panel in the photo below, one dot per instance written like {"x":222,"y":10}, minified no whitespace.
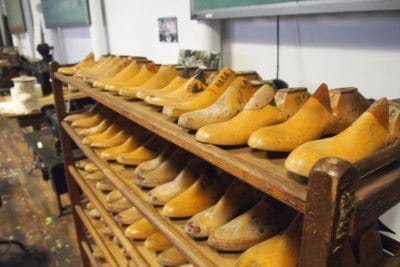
{"x":59,"y":13}
{"x":215,"y":4}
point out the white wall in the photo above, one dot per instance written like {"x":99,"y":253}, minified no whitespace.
{"x":361,"y":50}
{"x":133,"y":29}
{"x":76,"y":43}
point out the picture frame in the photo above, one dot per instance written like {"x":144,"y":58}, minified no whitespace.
{"x":65,"y":13}
{"x":15,"y":16}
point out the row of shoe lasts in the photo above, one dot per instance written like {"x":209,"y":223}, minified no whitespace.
{"x":232,"y":215}
{"x":126,"y":214}
{"x":168,"y":257}
{"x":262,"y":221}
{"x":124,"y":74}
{"x":231,"y":110}
{"x":176,"y":92}
{"x":366,"y":251}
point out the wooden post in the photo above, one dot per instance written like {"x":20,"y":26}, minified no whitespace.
{"x":330,"y":202}
{"x":73,"y":188}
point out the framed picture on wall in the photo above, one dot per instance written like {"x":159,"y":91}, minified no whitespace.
{"x":168,"y":29}
{"x":65,"y":13}
{"x":15,"y":16}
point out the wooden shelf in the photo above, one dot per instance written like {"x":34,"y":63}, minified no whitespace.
{"x":141,"y":254}
{"x":339,"y":200}
{"x":264,"y":171}
{"x":223,"y":259}
{"x":96,"y":237}
{"x":112,"y":247}
{"x":197,"y":252}
{"x":94,"y":198}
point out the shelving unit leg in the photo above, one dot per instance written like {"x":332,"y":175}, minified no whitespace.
{"x":73,"y":188}
{"x":330,"y":202}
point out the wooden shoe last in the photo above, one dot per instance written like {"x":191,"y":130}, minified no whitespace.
{"x":264,"y":220}
{"x":201,"y":195}
{"x":278,"y":251}
{"x":259,"y":112}
{"x":365,"y":136}
{"x":238,"y":198}
{"x":226,"y":107}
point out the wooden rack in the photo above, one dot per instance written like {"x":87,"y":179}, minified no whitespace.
{"x":94,"y":198}
{"x":198,"y":252}
{"x":338,"y":200}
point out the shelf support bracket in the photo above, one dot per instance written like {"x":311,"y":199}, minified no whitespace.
{"x":329,"y":205}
